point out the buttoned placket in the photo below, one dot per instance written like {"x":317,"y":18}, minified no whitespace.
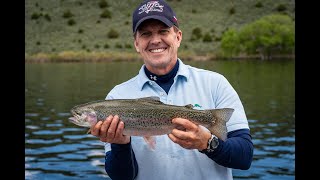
{"x":170,"y":96}
{"x":161,"y":93}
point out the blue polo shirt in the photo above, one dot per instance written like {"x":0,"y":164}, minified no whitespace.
{"x":206,"y":90}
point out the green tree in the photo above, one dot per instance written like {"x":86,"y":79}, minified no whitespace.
{"x":267,"y":36}
{"x":230,"y":43}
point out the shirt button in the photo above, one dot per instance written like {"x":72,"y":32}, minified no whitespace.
{"x":161,"y":94}
{"x":150,"y":83}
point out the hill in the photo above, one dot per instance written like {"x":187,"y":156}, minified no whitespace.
{"x":104,"y":26}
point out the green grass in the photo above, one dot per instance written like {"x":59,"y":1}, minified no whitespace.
{"x":49,"y":32}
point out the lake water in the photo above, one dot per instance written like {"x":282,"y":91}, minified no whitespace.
{"x":57,"y":149}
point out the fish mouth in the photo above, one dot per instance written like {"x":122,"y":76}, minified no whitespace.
{"x":76,"y":117}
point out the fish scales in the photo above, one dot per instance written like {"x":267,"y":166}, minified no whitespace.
{"x":149,"y":116}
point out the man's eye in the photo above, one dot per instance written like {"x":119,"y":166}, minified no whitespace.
{"x":145,"y":34}
{"x":165,"y":31}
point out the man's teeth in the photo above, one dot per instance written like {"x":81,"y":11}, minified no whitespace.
{"x":157,"y":50}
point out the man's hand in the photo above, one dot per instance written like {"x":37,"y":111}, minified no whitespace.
{"x":110,"y":130}
{"x":193,"y":137}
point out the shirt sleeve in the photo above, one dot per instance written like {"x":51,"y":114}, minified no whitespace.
{"x":236,"y":152}
{"x":120,"y":162}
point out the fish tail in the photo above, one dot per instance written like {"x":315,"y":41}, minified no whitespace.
{"x":218,"y":126}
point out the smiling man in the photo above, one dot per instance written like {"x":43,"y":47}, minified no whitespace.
{"x":158,"y":45}
{"x":191,"y":152}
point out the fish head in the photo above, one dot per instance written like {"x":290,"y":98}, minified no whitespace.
{"x":84,"y":117}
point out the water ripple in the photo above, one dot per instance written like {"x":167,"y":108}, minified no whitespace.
{"x":48,"y":132}
{"x":42,"y":141}
{"x":56,"y":149}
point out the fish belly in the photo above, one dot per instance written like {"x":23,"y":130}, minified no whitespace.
{"x":147,"y":127}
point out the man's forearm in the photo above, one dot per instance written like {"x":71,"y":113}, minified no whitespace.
{"x":121,"y":162}
{"x":236,"y":152}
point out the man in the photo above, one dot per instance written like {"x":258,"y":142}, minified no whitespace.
{"x":190,"y":153}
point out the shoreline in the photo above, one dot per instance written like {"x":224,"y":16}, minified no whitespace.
{"x":81,"y":56}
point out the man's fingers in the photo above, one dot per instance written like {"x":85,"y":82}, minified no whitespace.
{"x":181,"y":142}
{"x":105,"y":126}
{"x":172,"y":137}
{"x":188,"y":125}
{"x":180,"y":134}
{"x":95,"y":129}
{"x":113,"y":127}
{"x":119,"y":130}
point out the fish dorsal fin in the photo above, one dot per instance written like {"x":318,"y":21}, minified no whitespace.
{"x":189,"y":106}
{"x":151,"y":99}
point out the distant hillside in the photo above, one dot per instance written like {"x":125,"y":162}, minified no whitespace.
{"x":53,"y":26}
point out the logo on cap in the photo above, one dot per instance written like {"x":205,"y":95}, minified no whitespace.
{"x":151,"y":6}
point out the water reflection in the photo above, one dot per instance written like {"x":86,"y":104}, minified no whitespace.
{"x":56,"y":149}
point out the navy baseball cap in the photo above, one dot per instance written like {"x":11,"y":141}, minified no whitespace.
{"x":151,"y":9}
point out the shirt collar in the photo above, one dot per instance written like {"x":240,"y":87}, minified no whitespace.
{"x":143,"y":79}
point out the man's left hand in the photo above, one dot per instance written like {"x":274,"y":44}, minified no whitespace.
{"x":192,"y":137}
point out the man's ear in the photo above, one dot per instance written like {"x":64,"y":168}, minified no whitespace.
{"x":179,"y":37}
{"x":136,"y":46}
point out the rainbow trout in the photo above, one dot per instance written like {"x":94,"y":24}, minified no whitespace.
{"x":149,"y":116}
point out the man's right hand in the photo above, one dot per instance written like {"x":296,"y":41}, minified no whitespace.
{"x":110,"y":130}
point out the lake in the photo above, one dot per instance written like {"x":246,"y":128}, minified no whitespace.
{"x":57,"y":149}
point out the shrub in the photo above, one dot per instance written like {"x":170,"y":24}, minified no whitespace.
{"x":71,"y":22}
{"x":106,"y":46}
{"x":217,"y":38}
{"x":269,"y":35}
{"x":112,"y":34}
{"x":47,"y":17}
{"x":207,"y":38}
{"x":67,"y":14}
{"x":128,"y":46}
{"x":196,"y":34}
{"x":281,"y":8}
{"x":106,"y":14}
{"x":119,"y":46}
{"x":103,"y":4}
{"x":232,"y":11}
{"x":35,"y":16}
{"x":259,"y":5}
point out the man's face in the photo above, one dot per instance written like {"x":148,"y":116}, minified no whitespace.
{"x":158,"y":45}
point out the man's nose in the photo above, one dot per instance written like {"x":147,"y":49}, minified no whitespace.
{"x":155,"y":39}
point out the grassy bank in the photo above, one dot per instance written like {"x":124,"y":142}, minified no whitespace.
{"x":66,"y":29}
{"x":83,"y":56}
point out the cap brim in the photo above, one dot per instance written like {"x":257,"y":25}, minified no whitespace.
{"x":160,"y":18}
